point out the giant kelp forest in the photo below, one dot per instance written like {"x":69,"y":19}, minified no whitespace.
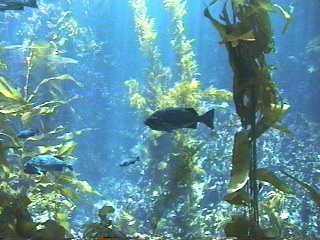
{"x":87,"y":74}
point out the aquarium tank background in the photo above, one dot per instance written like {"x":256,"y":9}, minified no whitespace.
{"x":80,"y":78}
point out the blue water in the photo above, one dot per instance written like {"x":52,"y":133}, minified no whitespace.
{"x":111,"y":55}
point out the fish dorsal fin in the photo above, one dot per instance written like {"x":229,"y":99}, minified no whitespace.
{"x":192,"y":110}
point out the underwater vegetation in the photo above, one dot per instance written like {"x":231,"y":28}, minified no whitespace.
{"x":247,"y":37}
{"x":174,"y":180}
{"x":37,"y":206}
{"x":198,"y":168}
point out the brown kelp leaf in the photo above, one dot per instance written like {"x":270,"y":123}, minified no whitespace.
{"x":25,"y":228}
{"x":52,"y":228}
{"x":271,"y":232}
{"x":105,"y":210}
{"x":240,"y":197}
{"x":267,"y":176}
{"x":240,"y":161}
{"x":238,"y":227}
{"x":314,"y":194}
{"x":6,"y":199}
{"x":9,"y":91}
{"x":237,"y":36}
{"x":272,"y":116}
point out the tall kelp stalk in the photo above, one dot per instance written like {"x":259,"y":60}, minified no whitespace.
{"x":245,"y":29}
{"x":31,"y":205}
{"x":174,"y":160}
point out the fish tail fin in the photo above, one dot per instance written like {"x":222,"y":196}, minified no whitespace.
{"x":207,"y":118}
{"x":33,"y":3}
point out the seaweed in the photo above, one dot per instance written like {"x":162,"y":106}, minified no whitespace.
{"x":315,"y":195}
{"x":105,"y":228}
{"x":245,"y":29}
{"x":37,"y":206}
{"x":175,"y":187}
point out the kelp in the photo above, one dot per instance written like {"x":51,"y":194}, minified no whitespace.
{"x":245,"y":29}
{"x":238,"y":196}
{"x":8,"y":91}
{"x":48,"y":201}
{"x":266,"y":175}
{"x":240,"y":162}
{"x":105,"y":228}
{"x":158,"y":91}
{"x":315,"y":195}
{"x":15,"y":104}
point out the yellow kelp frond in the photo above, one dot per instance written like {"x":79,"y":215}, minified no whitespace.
{"x":7,"y":90}
{"x":137,"y":100}
{"x":178,"y":8}
{"x":157,"y":73}
{"x":182,"y":45}
{"x":145,"y":27}
{"x":183,"y":94}
{"x":217,"y":95}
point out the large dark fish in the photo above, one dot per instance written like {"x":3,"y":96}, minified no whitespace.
{"x":27,"y":133}
{"x":175,"y":118}
{"x":45,"y":163}
{"x":17,"y":4}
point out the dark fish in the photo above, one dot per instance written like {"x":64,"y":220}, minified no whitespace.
{"x":175,"y":118}
{"x":17,"y":4}
{"x":45,"y":163}
{"x":127,"y":163}
{"x":27,"y":133}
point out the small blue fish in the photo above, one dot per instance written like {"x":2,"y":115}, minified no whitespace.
{"x":27,"y":133}
{"x":45,"y":163}
{"x":17,"y":4}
